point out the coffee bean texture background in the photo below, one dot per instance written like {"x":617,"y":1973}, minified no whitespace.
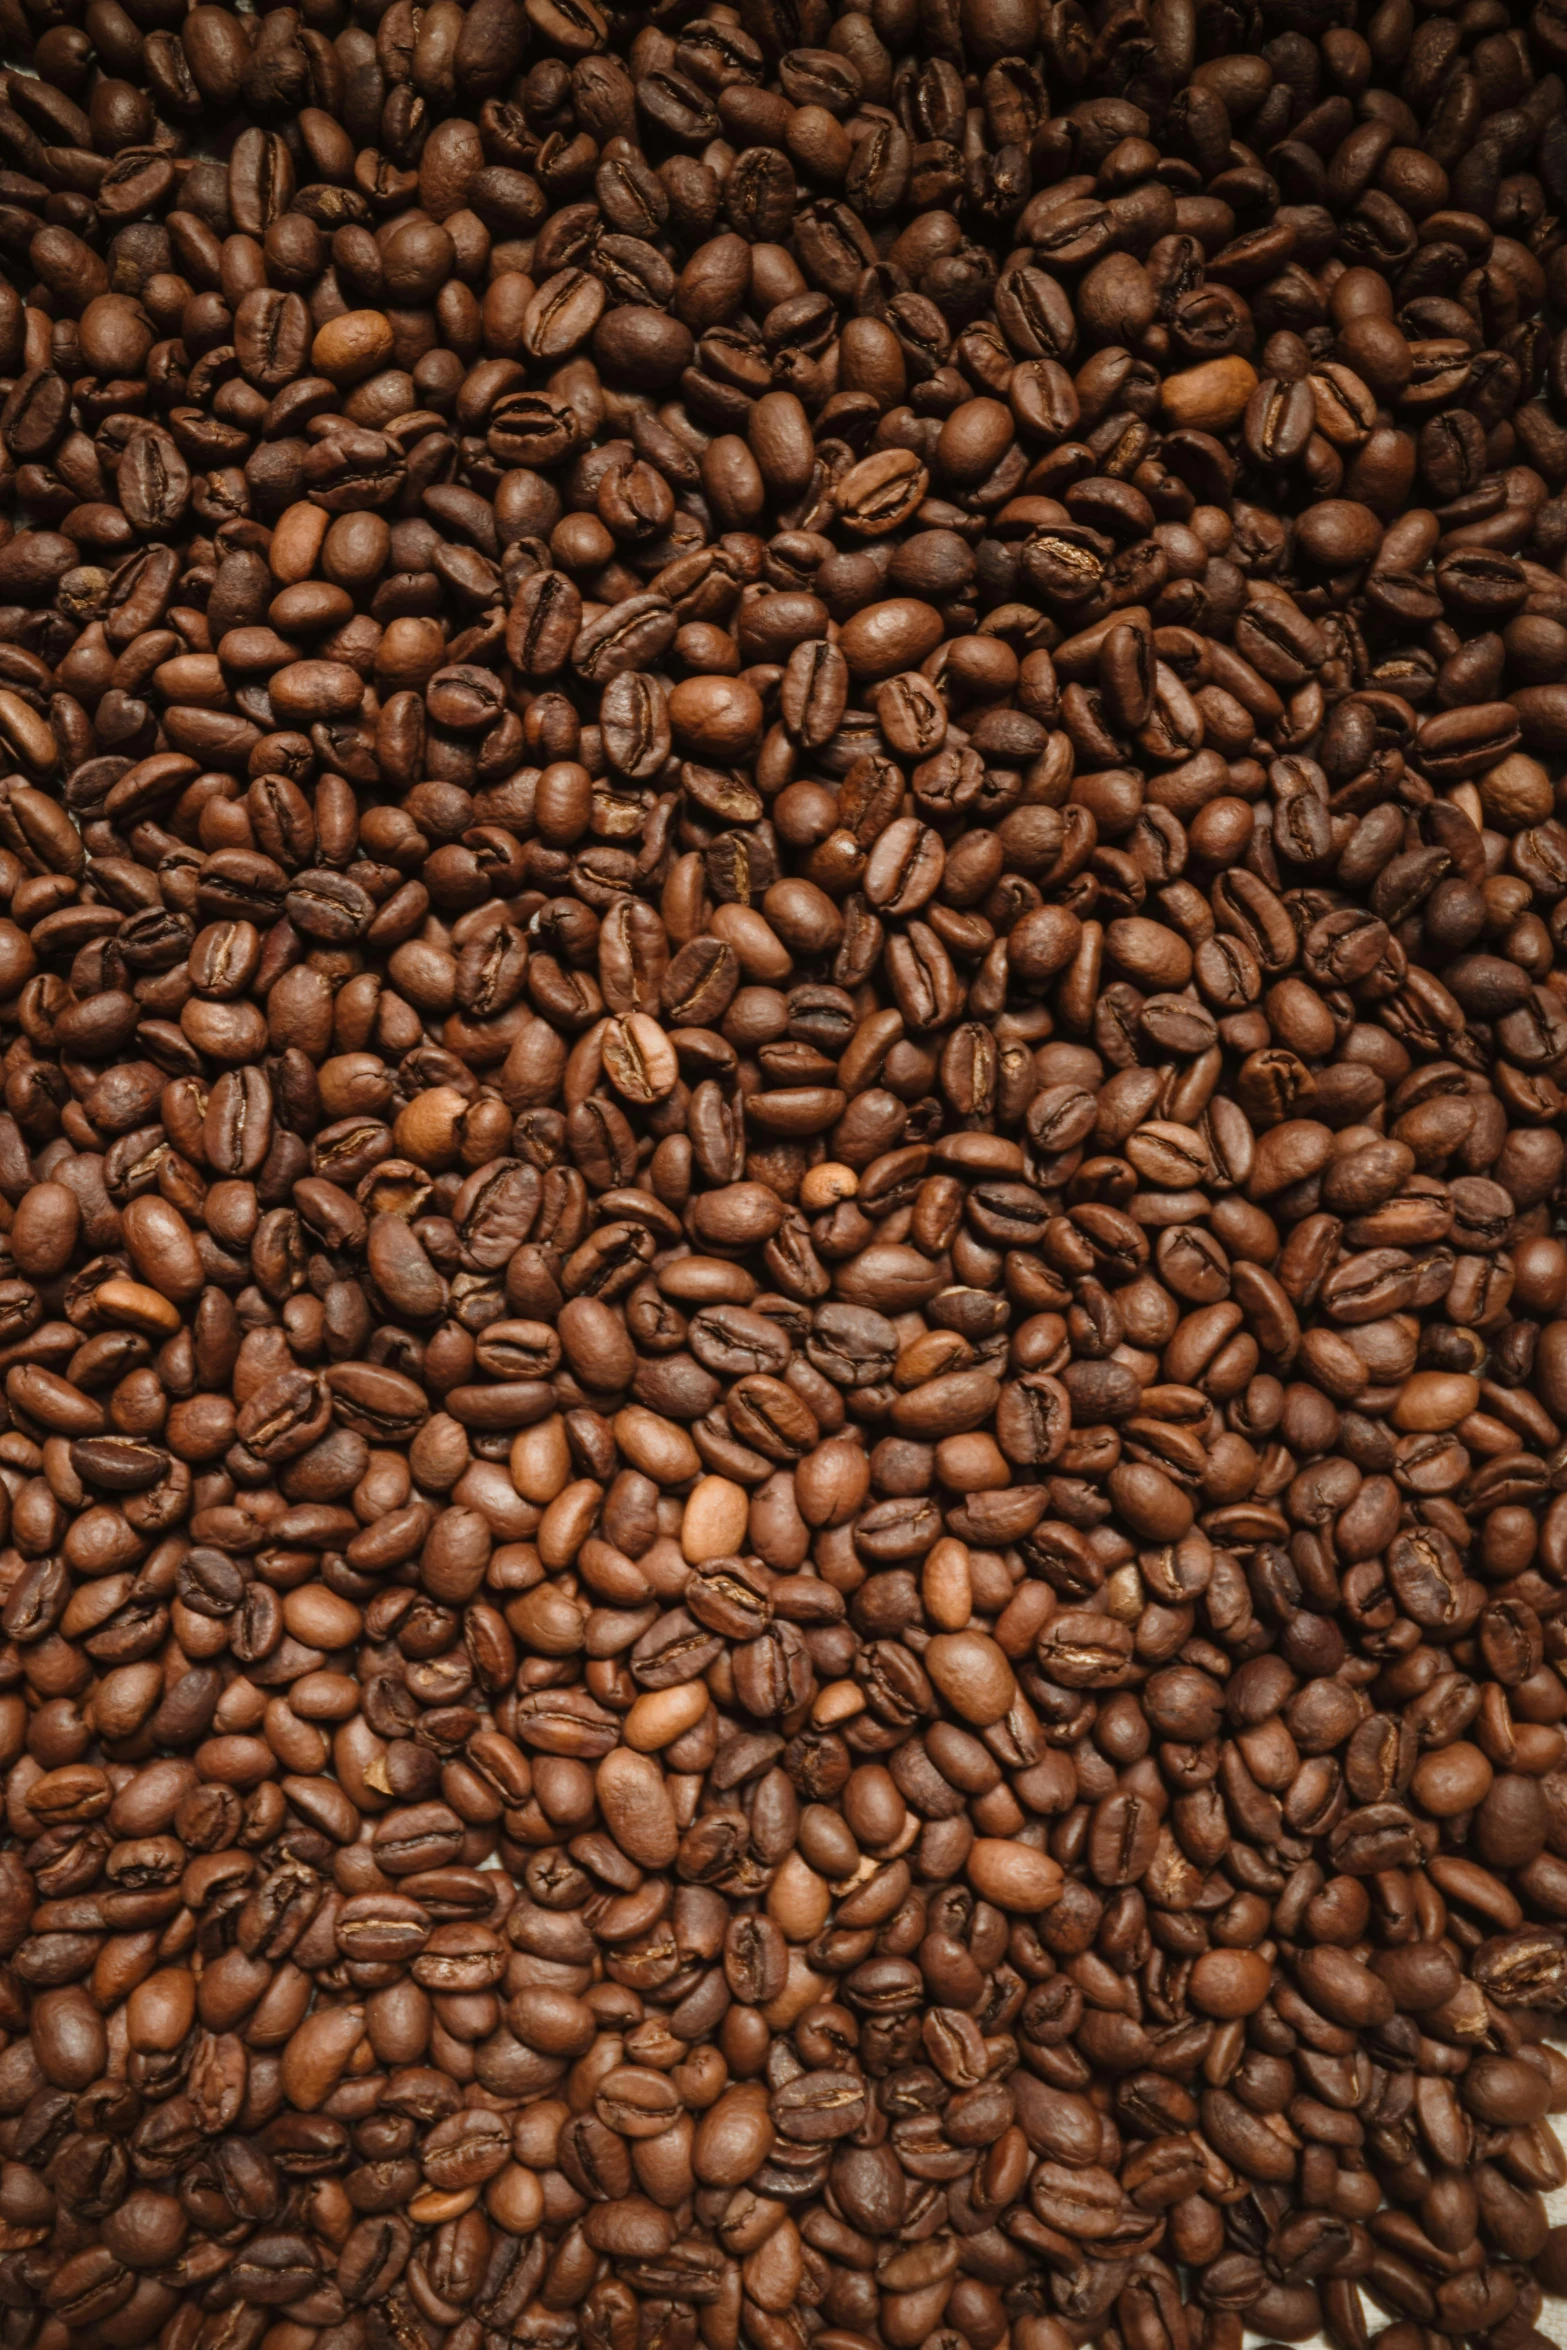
{"x":783,"y":1247}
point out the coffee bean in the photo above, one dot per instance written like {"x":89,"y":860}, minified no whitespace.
{"x":784,"y":1362}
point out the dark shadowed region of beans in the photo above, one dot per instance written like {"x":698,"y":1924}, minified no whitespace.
{"x":783,"y":1241}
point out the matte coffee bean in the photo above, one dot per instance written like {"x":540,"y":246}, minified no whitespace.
{"x":785,"y":1338}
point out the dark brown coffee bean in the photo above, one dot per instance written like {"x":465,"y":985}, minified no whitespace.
{"x":780,"y":1131}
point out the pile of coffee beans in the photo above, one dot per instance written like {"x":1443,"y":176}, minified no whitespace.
{"x":783,"y":1463}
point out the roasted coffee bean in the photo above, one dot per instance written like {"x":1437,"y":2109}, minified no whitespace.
{"x":785,"y":1338}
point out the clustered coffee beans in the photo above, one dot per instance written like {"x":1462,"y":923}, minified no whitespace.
{"x":784,"y":1452}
